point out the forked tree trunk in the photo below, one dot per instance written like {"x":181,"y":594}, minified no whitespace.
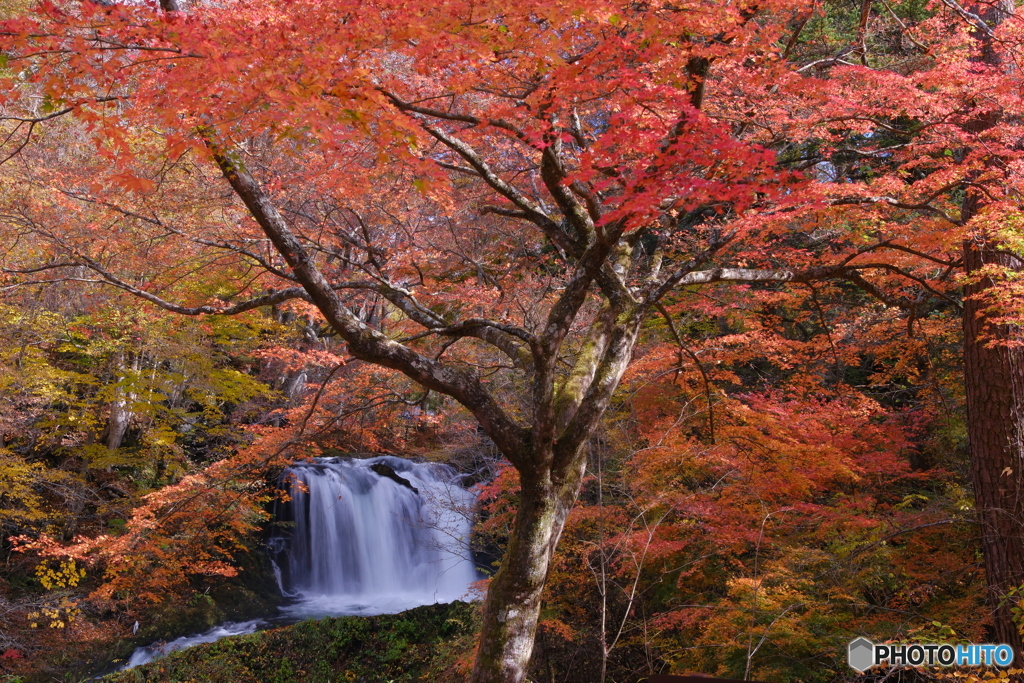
{"x":994,"y":380}
{"x":512,"y":607}
{"x":549,"y":454}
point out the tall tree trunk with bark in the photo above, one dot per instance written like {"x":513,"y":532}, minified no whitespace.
{"x":550,"y":480}
{"x":120,"y":407}
{"x":994,"y":385}
{"x":994,"y":377}
{"x":513,"y":603}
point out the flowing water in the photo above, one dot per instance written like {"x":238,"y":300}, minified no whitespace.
{"x":362,"y":537}
{"x":354,"y":541}
{"x":144,"y":655}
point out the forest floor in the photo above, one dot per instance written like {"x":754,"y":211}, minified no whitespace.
{"x":431,"y":643}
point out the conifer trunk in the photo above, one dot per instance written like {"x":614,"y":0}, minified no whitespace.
{"x":994,"y":380}
{"x":994,"y":386}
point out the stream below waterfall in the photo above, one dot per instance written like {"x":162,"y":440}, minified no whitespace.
{"x":360,"y":537}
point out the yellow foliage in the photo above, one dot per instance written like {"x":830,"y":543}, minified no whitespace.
{"x":21,"y":505}
{"x":65,"y":575}
{"x":60,"y":613}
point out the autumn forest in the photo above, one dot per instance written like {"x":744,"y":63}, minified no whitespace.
{"x":708,"y":310}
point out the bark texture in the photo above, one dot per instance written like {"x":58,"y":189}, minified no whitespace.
{"x":994,"y":386}
{"x":513,"y":603}
{"x":994,"y":378}
{"x":120,"y":408}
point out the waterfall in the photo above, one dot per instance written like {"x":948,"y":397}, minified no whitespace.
{"x":372,"y":536}
{"x":361,"y":537}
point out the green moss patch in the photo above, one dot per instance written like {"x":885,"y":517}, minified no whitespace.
{"x":424,"y":644}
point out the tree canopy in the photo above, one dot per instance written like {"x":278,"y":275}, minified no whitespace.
{"x":782,"y":226}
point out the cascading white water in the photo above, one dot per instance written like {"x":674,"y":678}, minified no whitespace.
{"x":373,"y":536}
{"x":362,"y":537}
{"x":145,"y":655}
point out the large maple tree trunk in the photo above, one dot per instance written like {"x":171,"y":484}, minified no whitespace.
{"x":512,"y":607}
{"x":994,"y":379}
{"x":550,"y":481}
